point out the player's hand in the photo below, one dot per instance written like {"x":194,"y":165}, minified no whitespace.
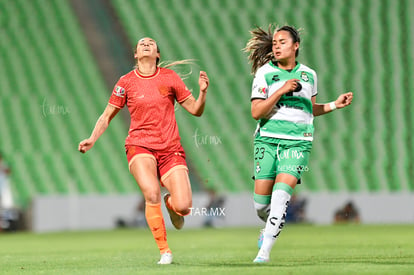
{"x":203,"y":81}
{"x":289,"y":86}
{"x":344,"y":100}
{"x":85,"y":145}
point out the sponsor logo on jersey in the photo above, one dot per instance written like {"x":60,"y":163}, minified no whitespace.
{"x":275,"y":78}
{"x":119,"y":91}
{"x":261,"y":90}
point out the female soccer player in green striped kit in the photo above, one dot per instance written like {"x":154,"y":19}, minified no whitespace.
{"x":284,"y":103}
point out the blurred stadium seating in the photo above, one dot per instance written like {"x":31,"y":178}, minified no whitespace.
{"x":51,"y":95}
{"x":52,"y":92}
{"x":359,"y":46}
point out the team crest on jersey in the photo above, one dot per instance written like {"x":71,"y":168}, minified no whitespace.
{"x":258,"y":169}
{"x":119,"y":91}
{"x":304,"y":77}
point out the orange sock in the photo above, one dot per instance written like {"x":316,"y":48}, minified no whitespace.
{"x":155,"y":221}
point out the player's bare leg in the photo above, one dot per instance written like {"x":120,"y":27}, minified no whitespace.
{"x":144,"y":169}
{"x":179,"y":200}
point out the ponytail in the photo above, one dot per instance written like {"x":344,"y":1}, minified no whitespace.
{"x":259,"y":47}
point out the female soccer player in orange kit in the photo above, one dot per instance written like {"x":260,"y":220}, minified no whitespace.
{"x":153,"y":147}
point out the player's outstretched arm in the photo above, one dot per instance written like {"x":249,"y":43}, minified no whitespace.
{"x":341,"y":102}
{"x":193,"y":106}
{"x":100,"y":127}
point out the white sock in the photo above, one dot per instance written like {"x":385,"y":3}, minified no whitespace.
{"x":276,"y":220}
{"x":262,"y":205}
{"x":262,"y":210}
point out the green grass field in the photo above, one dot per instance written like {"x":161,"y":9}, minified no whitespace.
{"x":301,"y":249}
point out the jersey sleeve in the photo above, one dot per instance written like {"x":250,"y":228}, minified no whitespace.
{"x":119,"y":94}
{"x":315,"y":85}
{"x":259,"y":87}
{"x":180,"y":89}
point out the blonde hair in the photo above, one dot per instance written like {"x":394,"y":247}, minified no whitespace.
{"x":170,"y":64}
{"x":167,"y":64}
{"x":260,"y":44}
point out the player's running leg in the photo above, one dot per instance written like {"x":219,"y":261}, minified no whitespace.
{"x":179,"y":200}
{"x":282,"y":192}
{"x":262,"y":197}
{"x":144,"y":169}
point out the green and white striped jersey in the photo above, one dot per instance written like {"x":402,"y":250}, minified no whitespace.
{"x":291,"y":117}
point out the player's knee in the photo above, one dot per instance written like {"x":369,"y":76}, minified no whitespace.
{"x":152,"y":197}
{"x":183,"y":208}
{"x":184,"y":212}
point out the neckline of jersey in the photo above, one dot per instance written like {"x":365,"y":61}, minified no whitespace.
{"x":147,"y":76}
{"x":274,"y":65}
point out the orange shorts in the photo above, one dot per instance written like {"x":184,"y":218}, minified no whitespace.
{"x":167,"y":161}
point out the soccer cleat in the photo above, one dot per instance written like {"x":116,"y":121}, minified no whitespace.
{"x":262,"y":257}
{"x":166,"y":258}
{"x":176,"y":220}
{"x":260,"y":239}
{"x":261,"y":260}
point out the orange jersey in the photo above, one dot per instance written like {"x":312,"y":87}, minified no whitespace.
{"x":150,"y":101}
